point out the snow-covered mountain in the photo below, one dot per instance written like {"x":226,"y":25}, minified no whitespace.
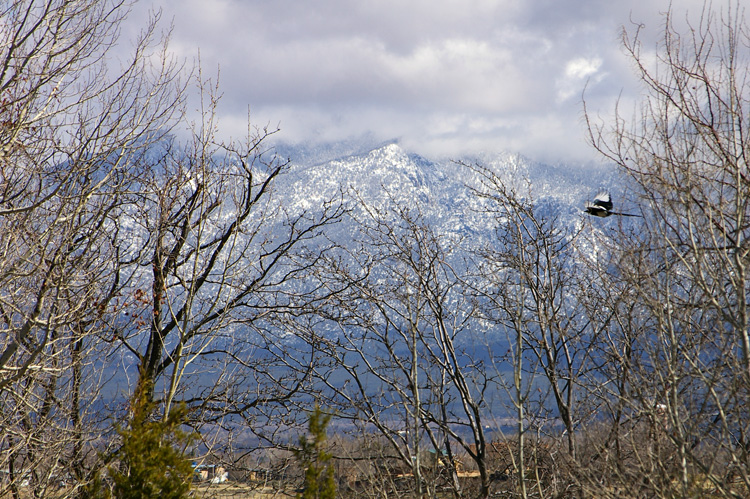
{"x":386,"y":175}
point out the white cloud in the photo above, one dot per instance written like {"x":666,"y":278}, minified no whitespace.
{"x":438,"y":74}
{"x":582,"y":68}
{"x":579,"y":72}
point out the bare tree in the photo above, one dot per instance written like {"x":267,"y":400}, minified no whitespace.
{"x":215,"y":272}
{"x":683,"y":332}
{"x":409,"y":361}
{"x":526,"y":282}
{"x":70,"y":126}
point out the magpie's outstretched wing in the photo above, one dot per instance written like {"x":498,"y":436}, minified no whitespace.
{"x":604,"y":200}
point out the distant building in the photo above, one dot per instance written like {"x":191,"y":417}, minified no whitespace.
{"x":213,"y":473}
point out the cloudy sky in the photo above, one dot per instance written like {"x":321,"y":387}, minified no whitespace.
{"x":444,"y":77}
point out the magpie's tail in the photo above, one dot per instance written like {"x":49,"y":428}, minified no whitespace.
{"x":625,"y":214}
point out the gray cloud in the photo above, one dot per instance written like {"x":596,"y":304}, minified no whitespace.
{"x":443,"y":76}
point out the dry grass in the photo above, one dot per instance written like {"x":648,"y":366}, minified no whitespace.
{"x":238,"y":491}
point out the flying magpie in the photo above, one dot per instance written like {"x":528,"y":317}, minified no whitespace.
{"x":602,"y":206}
